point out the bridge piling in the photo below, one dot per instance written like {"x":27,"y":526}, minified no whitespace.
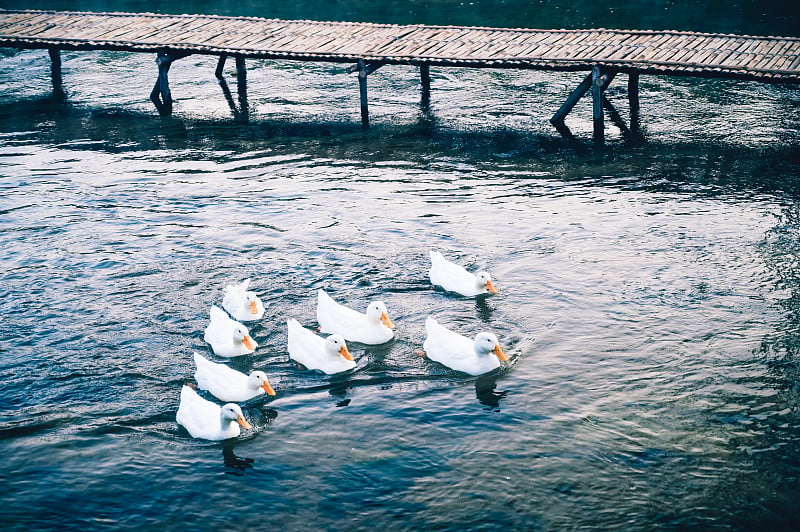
{"x":633,"y":100}
{"x":241,"y":89}
{"x":599,"y":81}
{"x":362,"y":87}
{"x":425,"y":86}
{"x":55,"y":72}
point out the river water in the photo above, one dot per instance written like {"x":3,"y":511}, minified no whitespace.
{"x":649,"y":293}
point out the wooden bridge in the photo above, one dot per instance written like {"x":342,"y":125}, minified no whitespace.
{"x":367,"y":47}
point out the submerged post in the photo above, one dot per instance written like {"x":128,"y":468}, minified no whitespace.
{"x":425,"y":81}
{"x":242,"y":113}
{"x":241,"y":88}
{"x":598,"y":82}
{"x":161,"y":95}
{"x":55,"y":71}
{"x":633,"y":100}
{"x":362,"y":87}
{"x":364,"y":69}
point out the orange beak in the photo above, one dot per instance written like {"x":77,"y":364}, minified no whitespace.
{"x":490,"y":287}
{"x":267,"y":388}
{"x":345,"y":353}
{"x":248,"y":343}
{"x":243,"y":422}
{"x":499,"y":353}
{"x":253,"y":308}
{"x":386,"y":321}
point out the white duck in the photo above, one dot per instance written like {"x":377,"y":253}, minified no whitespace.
{"x":206,"y":420}
{"x":228,"y":338}
{"x":227,"y":384}
{"x":373,"y":327}
{"x":457,"y":352}
{"x":329,"y":355}
{"x":455,"y":278}
{"x":242,"y":304}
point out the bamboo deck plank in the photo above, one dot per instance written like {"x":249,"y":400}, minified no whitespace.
{"x":784,"y":52}
{"x":774,"y":48}
{"x":487,"y":50}
{"x":700,"y":47}
{"x":454,"y":48}
{"x":190,"y":34}
{"x":531,"y":49}
{"x":36,"y":30}
{"x":631,"y":46}
{"x":427,"y":49}
{"x":720,"y":55}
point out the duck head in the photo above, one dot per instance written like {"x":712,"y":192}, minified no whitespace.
{"x":485,"y":282}
{"x":240,"y":336}
{"x":376,"y":311}
{"x":232,"y":412}
{"x":250,"y":300}
{"x":258,"y":379}
{"x":335,"y":346}
{"x":486,"y":343}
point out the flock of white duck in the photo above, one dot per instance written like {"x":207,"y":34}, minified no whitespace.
{"x":228,"y":338}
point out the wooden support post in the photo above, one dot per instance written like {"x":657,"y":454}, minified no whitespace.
{"x":242,"y":112}
{"x":598,"y":81}
{"x":633,"y":100}
{"x":161,"y":95}
{"x":615,"y":116}
{"x":241,"y":88}
{"x":55,"y":72}
{"x":224,"y":85}
{"x":221,"y":65}
{"x":364,"y":70}
{"x":573,"y":98}
{"x":362,"y":87}
{"x":425,"y":80}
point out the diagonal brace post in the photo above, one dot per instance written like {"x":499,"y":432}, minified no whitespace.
{"x":573,"y":98}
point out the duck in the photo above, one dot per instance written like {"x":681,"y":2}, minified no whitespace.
{"x":209,"y":421}
{"x":475,"y":357}
{"x":329,"y":355}
{"x":455,"y":278}
{"x":373,"y":327}
{"x":242,"y":304}
{"x":228,"y":337}
{"x":227,"y":384}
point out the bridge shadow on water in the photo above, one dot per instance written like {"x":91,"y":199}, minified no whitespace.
{"x":697,"y":165}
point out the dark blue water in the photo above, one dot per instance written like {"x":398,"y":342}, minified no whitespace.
{"x":649,"y":294}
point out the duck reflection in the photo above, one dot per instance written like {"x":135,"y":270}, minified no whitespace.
{"x":484,"y":308}
{"x":260,"y":416}
{"x":234,"y":465}
{"x":486,"y":394}
{"x":340,"y":391}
